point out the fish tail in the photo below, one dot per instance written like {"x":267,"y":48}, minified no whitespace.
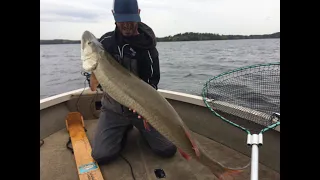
{"x":230,"y":174}
{"x":220,"y":171}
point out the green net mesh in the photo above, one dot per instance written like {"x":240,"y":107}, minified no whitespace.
{"x":251,"y":93}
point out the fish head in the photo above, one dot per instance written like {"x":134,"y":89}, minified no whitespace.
{"x":91,"y":50}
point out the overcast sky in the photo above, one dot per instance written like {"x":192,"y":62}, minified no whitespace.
{"x":61,"y":19}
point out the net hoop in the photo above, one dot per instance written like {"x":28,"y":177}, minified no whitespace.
{"x":206,"y":100}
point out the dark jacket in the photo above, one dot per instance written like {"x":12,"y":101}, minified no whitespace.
{"x":138,"y":54}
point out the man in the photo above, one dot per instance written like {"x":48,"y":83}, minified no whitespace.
{"x":132,"y":44}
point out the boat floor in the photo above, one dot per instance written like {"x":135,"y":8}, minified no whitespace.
{"x":57,"y":162}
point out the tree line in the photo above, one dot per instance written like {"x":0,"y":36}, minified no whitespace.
{"x":191,"y":36}
{"x":188,"y":36}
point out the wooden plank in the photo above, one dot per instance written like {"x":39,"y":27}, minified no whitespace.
{"x":87,"y":168}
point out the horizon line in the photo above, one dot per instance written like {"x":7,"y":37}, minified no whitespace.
{"x":183,"y":33}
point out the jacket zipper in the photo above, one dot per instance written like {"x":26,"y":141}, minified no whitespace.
{"x":121,"y":58}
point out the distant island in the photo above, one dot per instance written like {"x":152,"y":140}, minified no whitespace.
{"x":188,"y":36}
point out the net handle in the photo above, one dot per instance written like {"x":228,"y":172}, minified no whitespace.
{"x":226,"y":120}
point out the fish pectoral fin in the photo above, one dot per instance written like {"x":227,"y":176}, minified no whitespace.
{"x":93,"y":82}
{"x":184,"y":155}
{"x":146,"y":125}
{"x":194,"y":145}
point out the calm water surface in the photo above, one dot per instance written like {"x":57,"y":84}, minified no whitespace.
{"x":184,"y":66}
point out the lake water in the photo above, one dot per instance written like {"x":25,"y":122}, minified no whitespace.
{"x":184,"y":66}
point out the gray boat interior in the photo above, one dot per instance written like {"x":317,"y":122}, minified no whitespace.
{"x":225,"y":143}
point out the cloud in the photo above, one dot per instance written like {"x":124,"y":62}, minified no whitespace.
{"x":66,"y":16}
{"x":67,"y":19}
{"x":71,"y":11}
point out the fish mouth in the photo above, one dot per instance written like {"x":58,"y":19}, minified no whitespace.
{"x":88,"y":39}
{"x":84,"y":39}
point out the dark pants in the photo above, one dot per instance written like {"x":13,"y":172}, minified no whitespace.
{"x":111,"y":135}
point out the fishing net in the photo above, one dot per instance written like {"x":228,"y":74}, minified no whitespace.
{"x":250,"y":98}
{"x":251,"y":93}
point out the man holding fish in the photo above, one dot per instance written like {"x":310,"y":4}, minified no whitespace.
{"x":133,"y":45}
{"x":126,"y":64}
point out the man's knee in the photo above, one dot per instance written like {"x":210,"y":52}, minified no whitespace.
{"x":167,"y":152}
{"x":104,"y":156}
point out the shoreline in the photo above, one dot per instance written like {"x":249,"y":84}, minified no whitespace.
{"x":182,"y":37}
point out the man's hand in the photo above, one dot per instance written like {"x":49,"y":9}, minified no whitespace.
{"x":93,"y":82}
{"x":134,"y":111}
{"x":145,"y":123}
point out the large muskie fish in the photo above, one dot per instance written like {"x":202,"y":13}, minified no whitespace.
{"x":134,"y":93}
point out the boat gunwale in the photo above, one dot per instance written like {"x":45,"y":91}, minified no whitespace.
{"x":63,"y":97}
{"x":168,"y":94}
